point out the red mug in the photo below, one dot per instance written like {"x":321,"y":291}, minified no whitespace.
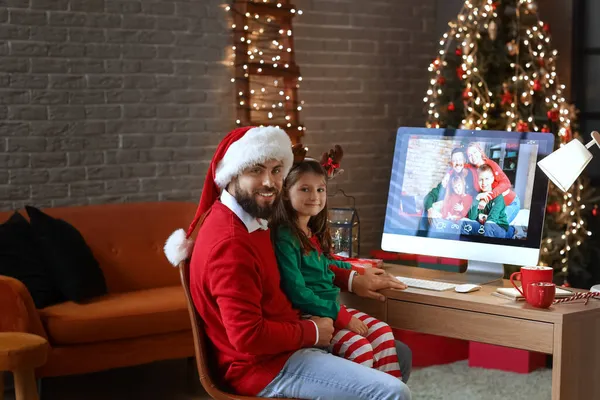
{"x":541,"y":294}
{"x":530,"y":275}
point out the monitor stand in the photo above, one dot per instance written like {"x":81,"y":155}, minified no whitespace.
{"x":480,"y":272}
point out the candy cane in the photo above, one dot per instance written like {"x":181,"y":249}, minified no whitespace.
{"x":581,"y":295}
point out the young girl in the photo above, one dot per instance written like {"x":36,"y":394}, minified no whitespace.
{"x":302,"y":242}
{"x":457,"y":202}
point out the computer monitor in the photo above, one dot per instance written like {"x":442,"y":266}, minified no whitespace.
{"x":468,"y":194}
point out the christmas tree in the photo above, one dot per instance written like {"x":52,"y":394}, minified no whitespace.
{"x":496,"y":70}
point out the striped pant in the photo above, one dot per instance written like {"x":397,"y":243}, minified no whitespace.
{"x":376,"y":350}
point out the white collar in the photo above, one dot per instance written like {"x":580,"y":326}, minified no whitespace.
{"x":252,"y":224}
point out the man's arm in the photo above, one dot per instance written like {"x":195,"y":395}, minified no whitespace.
{"x":474,"y":211}
{"x":236,"y":285}
{"x":431,"y":197}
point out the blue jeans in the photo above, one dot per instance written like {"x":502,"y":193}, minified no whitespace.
{"x":316,"y":374}
{"x":513,"y":209}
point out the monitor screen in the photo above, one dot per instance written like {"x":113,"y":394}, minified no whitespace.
{"x":467,"y":186}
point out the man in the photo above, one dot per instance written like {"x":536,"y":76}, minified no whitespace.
{"x":262,"y":347}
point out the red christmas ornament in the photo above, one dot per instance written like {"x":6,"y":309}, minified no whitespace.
{"x":541,"y":61}
{"x":494,"y":5}
{"x":507,"y":98}
{"x":466,"y":94}
{"x":553,"y":115}
{"x":522,"y":126}
{"x":553,"y":208}
{"x":546,"y":27}
{"x":545,"y":129}
{"x":451,"y":107}
{"x":458,"y":52}
{"x":441,"y":80}
{"x":595,"y":211}
{"x":568,"y":135}
{"x":460,"y":71}
{"x":537,"y":86}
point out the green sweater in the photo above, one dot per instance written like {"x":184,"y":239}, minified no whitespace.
{"x":432,"y":197}
{"x":495,"y":210}
{"x":306,"y":278}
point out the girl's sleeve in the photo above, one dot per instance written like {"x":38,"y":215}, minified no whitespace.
{"x":340,"y":264}
{"x":289,"y":258}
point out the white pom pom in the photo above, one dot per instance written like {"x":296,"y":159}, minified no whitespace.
{"x":178,"y":247}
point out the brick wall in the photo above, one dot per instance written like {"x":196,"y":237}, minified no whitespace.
{"x":109,"y":101}
{"x":365,"y":69}
{"x":116,"y":101}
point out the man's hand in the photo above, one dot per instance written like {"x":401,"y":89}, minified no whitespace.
{"x":357,"y":326}
{"x":325,"y":327}
{"x":373,"y":280}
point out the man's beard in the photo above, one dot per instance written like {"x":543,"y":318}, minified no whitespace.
{"x":248,"y":203}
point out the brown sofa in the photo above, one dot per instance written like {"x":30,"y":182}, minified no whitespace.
{"x":144,"y":316}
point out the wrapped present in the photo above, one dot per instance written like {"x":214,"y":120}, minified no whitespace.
{"x":360,"y":263}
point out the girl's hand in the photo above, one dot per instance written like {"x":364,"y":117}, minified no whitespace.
{"x":459,"y":207}
{"x":482,"y":205}
{"x":357,"y":326}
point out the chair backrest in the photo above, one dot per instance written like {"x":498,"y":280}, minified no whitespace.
{"x":201,"y":343}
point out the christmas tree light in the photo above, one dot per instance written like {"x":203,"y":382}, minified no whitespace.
{"x":496,"y":70}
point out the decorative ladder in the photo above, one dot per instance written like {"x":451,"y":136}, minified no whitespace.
{"x":266,"y":74}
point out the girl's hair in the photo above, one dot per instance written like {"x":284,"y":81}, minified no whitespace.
{"x":453,"y":179}
{"x":456,"y":179}
{"x":284,"y":214}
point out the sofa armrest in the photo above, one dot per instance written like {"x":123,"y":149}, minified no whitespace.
{"x":17,"y":310}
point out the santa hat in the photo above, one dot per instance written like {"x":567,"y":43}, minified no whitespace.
{"x":240,"y":149}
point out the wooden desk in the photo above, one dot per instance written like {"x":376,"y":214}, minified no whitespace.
{"x":570,"y":331}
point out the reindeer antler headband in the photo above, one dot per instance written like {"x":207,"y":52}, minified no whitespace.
{"x":330,"y":160}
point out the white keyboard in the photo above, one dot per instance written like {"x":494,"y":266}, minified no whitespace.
{"x":429,"y":285}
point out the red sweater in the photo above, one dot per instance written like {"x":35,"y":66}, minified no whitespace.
{"x":453,"y":199}
{"x":501,"y":184}
{"x":234,"y":282}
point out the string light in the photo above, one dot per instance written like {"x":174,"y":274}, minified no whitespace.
{"x":533,"y":82}
{"x":263,"y":57}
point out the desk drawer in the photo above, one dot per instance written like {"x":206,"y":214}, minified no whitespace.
{"x":469,"y":325}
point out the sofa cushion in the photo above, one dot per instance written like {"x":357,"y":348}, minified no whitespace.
{"x":73,"y":265}
{"x":20,"y":259}
{"x":118,"y":316}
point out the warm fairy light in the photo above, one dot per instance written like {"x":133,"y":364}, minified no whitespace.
{"x":262,"y":98}
{"x":534,"y":83}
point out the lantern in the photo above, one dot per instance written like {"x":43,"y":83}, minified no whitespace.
{"x":344,"y":227}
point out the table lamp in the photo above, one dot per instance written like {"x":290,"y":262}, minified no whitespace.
{"x":565,"y":165}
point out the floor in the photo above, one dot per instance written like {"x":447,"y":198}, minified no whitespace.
{"x":173,"y":380}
